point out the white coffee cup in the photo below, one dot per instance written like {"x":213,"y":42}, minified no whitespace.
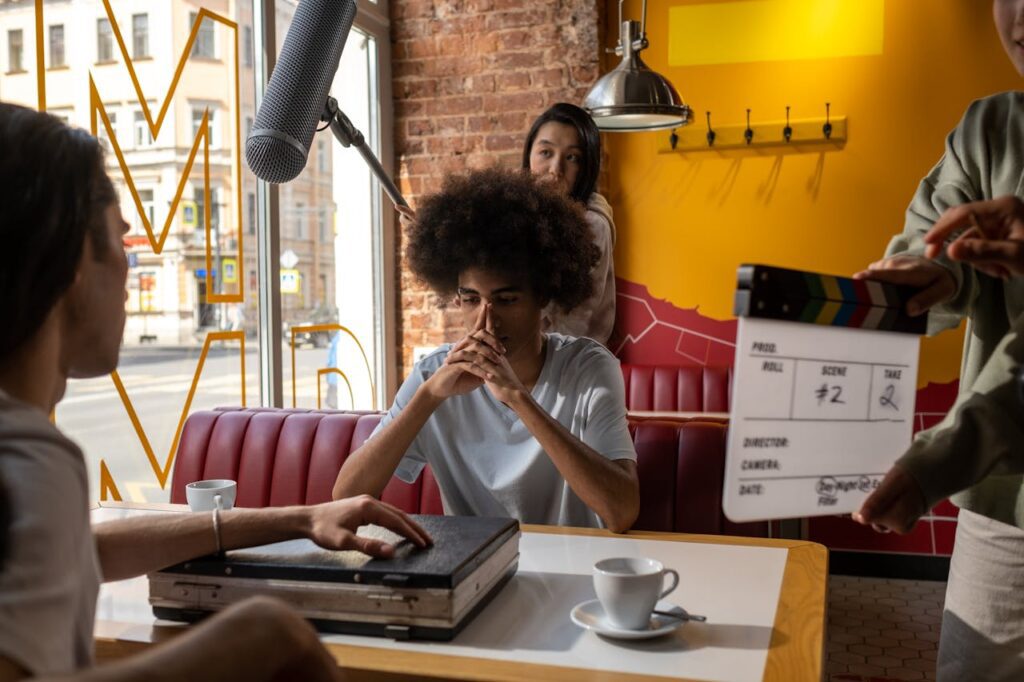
{"x":629,"y":587}
{"x":218,"y":493}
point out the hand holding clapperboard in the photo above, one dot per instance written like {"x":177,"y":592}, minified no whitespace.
{"x":823,"y":392}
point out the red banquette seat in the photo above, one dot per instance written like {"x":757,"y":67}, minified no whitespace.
{"x":670,"y":388}
{"x":292,"y":456}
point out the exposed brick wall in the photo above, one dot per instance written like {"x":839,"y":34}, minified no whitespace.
{"x":469,"y":78}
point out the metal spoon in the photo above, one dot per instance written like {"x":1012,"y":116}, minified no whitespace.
{"x":681,"y":615}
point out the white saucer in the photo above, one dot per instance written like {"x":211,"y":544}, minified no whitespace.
{"x":590,"y":615}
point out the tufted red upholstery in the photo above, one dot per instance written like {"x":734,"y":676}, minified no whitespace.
{"x":689,"y":388}
{"x":282,"y":457}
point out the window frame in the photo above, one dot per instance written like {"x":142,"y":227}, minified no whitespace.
{"x":142,"y":137}
{"x":207,"y":34}
{"x":136,"y":52}
{"x":104,"y":41}
{"x":19,"y":66}
{"x":196,"y":119}
{"x":372,"y":18}
{"x":248,"y":46}
{"x":51,"y":47}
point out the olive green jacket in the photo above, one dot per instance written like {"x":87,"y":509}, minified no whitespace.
{"x":979,"y":447}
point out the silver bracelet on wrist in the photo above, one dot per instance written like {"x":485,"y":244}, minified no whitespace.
{"x":216,"y":529}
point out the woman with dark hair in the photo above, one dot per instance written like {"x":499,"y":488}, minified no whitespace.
{"x":512,"y":420}
{"x":563,"y":147}
{"x":62,"y":293}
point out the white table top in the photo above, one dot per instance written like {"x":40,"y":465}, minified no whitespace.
{"x":737,"y":587}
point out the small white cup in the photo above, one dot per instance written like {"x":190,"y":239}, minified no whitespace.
{"x":629,"y":587}
{"x":218,"y":493}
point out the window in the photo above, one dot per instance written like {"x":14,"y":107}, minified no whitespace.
{"x":143,"y":137}
{"x":321,"y":156}
{"x":173,"y":292}
{"x":197,"y":122}
{"x":146,"y":197}
{"x":57,"y":46}
{"x":203,"y":47}
{"x":200,"y":199}
{"x":250,"y":211}
{"x":101,"y":131}
{"x":322,"y":224}
{"x":215,"y":215}
{"x":360,"y":275}
{"x":15,"y":51}
{"x":104,"y":41}
{"x":140,"y":36}
{"x":247,"y":47}
{"x":300,"y":221}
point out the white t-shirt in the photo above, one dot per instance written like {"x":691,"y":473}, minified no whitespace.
{"x":49,"y":570}
{"x":486,"y":461}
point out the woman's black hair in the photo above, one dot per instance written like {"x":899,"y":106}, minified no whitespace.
{"x":590,"y":141}
{"x":53,"y":192}
{"x":504,"y":221}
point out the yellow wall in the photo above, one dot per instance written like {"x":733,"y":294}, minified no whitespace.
{"x":686,"y":221}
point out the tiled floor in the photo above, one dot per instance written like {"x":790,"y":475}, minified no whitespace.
{"x":881,"y":630}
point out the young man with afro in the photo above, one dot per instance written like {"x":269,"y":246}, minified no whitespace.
{"x":513,"y":421}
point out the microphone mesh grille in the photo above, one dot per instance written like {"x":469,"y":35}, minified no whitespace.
{"x":298,"y":88}
{"x":276,"y":160}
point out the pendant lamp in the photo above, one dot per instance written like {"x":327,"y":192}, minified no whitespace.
{"x":631,"y":97}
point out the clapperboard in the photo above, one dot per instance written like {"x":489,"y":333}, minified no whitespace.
{"x":823,"y":392}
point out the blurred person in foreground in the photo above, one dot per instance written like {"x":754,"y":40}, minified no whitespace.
{"x":62,"y":292}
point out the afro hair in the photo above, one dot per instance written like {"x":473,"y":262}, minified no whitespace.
{"x":504,"y":221}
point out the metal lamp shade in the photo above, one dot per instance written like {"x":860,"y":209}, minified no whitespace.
{"x":631,"y":97}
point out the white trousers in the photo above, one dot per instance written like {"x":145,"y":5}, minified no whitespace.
{"x":983,"y":620}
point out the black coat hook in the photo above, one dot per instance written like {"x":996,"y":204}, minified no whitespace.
{"x":787,"y":132}
{"x":673,"y":139}
{"x":748,"y":134}
{"x":711,"y":133}
{"x":827,"y":128}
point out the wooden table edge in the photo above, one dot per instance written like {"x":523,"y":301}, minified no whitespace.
{"x":798,"y":645}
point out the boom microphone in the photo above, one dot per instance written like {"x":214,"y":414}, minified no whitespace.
{"x":278,"y":145}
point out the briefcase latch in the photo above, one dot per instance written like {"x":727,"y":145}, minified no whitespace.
{"x":194,"y":595}
{"x":395,"y":580}
{"x":397,"y":631}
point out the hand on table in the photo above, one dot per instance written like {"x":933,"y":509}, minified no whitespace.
{"x":936,"y":284}
{"x":992,"y":240}
{"x":333,"y":525}
{"x":895,"y":505}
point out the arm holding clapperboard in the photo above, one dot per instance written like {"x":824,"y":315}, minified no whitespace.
{"x":963,"y":243}
{"x":983,"y":432}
